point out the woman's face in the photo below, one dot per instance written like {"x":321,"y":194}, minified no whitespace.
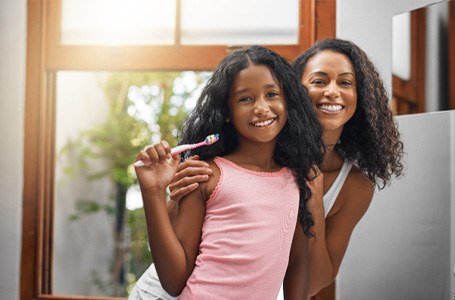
{"x":330,"y":79}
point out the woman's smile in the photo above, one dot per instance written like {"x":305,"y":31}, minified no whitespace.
{"x":330,"y":108}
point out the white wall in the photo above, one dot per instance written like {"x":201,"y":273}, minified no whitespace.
{"x":12,"y":93}
{"x":401,"y":248}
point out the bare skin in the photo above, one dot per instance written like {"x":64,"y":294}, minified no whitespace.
{"x":330,"y":79}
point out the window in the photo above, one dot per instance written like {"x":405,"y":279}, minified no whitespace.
{"x":60,"y":50}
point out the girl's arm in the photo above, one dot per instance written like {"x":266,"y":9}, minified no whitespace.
{"x":296,"y":280}
{"x":174,"y":253}
{"x":332,"y":234}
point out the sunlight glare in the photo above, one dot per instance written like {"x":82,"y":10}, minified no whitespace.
{"x":118,"y":22}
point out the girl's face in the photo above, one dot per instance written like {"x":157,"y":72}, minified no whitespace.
{"x":257,"y":105}
{"x":330,"y":79}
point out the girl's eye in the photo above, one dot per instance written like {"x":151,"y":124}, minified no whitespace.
{"x":244,"y":99}
{"x":272,"y":94}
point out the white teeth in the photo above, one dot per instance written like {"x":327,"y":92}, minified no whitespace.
{"x":331,"y":107}
{"x":263,"y":123}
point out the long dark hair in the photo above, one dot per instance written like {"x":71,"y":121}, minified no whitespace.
{"x":370,"y":138}
{"x":299,"y":144}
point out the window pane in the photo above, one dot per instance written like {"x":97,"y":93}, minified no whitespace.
{"x":118,"y":22}
{"x":103,"y":120}
{"x":240,"y":22}
{"x":401,"y":45}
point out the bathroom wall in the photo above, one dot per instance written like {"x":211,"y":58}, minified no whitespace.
{"x":12,"y":93}
{"x":401,"y":249}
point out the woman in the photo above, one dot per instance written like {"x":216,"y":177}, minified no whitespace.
{"x":363,"y":150}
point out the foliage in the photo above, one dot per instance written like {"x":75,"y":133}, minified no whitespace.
{"x":143,"y":108}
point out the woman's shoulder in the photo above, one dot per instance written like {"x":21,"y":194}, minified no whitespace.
{"x":356,"y":193}
{"x":357,"y":179}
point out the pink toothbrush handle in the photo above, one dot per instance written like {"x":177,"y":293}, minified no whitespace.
{"x":180,"y":149}
{"x":174,"y":151}
{"x":183,"y":148}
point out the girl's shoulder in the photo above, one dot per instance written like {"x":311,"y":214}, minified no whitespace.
{"x":207,"y":187}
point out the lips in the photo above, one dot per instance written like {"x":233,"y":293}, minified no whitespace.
{"x":332,"y":108}
{"x":263,"y":123}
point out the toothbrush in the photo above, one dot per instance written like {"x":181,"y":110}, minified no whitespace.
{"x":213,"y":138}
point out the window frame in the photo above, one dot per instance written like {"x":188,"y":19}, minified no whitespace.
{"x":45,"y":56}
{"x":408,"y":96}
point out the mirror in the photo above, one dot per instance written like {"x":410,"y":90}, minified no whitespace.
{"x":423,"y":72}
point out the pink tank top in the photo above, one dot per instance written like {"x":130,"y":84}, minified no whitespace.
{"x":246,"y":235}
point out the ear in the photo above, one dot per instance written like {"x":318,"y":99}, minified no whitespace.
{"x":227,"y":120}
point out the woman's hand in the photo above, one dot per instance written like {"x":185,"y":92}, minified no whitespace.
{"x":315,"y":181}
{"x":159,"y":166}
{"x":189,"y":174}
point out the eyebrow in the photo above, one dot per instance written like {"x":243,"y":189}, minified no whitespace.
{"x":243,"y":90}
{"x":324,"y":73}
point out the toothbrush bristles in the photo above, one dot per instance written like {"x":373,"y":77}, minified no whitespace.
{"x":212,"y":138}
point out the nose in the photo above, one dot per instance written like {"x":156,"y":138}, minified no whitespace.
{"x":332,"y":90}
{"x":261,"y":107}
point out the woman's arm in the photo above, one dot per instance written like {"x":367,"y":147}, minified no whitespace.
{"x":332,"y":234}
{"x":296,"y":280}
{"x":189,"y":175}
{"x":174,"y":253}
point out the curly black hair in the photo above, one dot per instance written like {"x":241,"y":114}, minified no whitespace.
{"x":370,"y":138}
{"x":299,"y":144}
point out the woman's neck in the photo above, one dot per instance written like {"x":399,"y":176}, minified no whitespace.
{"x":332,"y":159}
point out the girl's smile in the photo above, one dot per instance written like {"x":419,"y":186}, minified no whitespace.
{"x":263,"y":123}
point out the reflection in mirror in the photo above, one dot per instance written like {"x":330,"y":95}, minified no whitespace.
{"x":103,"y":120}
{"x":420,"y":67}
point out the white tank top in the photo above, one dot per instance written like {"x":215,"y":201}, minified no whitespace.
{"x":331,"y":195}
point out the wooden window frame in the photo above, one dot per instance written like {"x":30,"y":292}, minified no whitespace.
{"x":46,"y":56}
{"x":409,"y":95}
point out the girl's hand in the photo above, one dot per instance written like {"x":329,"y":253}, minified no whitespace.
{"x":315,"y":181}
{"x":189,"y":174}
{"x":159,"y":168}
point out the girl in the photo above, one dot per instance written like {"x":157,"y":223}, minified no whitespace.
{"x":237,"y":236}
{"x":363,"y":149}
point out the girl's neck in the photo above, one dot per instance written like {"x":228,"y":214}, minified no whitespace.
{"x":257,"y":156}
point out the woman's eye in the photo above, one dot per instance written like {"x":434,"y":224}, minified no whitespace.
{"x":318,"y":81}
{"x":346,"y":82}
